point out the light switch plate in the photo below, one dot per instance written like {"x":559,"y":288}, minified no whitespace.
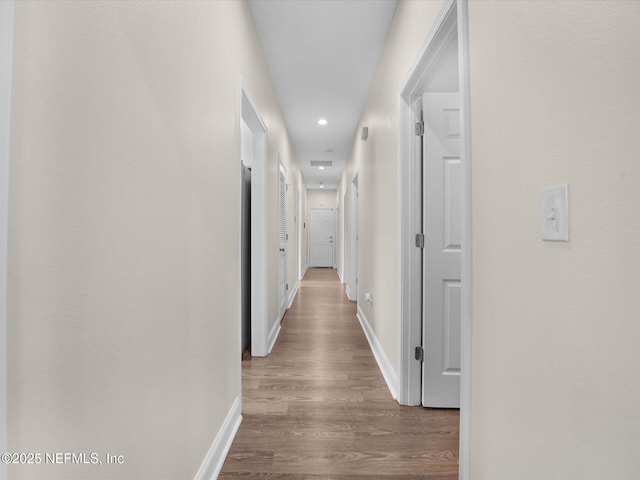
{"x":555,"y":213}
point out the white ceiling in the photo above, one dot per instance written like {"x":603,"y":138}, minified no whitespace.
{"x":322,"y":55}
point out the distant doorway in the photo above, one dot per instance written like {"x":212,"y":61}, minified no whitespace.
{"x":352,"y":283}
{"x":321,"y":237}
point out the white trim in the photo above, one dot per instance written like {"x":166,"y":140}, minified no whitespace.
{"x":348,"y":293}
{"x":385,"y":366}
{"x":467,"y":232}
{"x":273,"y":335}
{"x":212,"y":464}
{"x":409,"y":393}
{"x":6,"y":64}
{"x":343,"y":242}
{"x":333,"y":248}
{"x":304,"y":271}
{"x":259,"y":213}
{"x":410,"y":210}
{"x":410,"y":205}
{"x":292,"y":294}
{"x":410,"y":258}
{"x":300,"y":232}
{"x":354,"y":229}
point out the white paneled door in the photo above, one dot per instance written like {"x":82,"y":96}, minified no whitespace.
{"x":443,"y":193}
{"x":321,"y":237}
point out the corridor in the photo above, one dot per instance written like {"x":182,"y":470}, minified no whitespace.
{"x":318,"y":407}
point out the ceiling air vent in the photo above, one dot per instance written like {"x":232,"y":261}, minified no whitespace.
{"x":321,"y":163}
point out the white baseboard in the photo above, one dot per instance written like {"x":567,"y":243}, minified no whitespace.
{"x":385,"y":366}
{"x":348,"y":292}
{"x":273,"y":336}
{"x":304,"y":270}
{"x":340,"y":275}
{"x":293,"y":293}
{"x":216,"y":455}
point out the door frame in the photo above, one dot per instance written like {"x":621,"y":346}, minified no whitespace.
{"x":343,"y":239}
{"x":333,"y":227}
{"x":6,"y":71}
{"x":454,"y":14}
{"x":259,"y":238}
{"x":299,"y":228}
{"x":352,"y":280}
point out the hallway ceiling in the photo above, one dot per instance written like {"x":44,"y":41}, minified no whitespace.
{"x":322,"y":55}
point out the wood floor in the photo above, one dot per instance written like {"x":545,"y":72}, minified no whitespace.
{"x":318,"y":408}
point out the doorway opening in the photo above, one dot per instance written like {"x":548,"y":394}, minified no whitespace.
{"x":343,"y":240}
{"x":253,"y":227}
{"x":245,"y":246}
{"x":352,"y":283}
{"x":299,"y":220}
{"x":444,"y":227}
{"x":321,"y":235}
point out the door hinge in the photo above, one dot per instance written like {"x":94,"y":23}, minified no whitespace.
{"x":420,"y":128}
{"x":419,"y":354}
{"x":286,"y":236}
{"x":287,"y":286}
{"x":420,"y":240}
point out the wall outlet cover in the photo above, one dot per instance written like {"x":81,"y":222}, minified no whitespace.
{"x":555,"y":213}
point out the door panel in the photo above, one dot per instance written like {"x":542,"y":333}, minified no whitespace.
{"x":443,"y":188}
{"x":320,"y":237}
{"x":452,"y":204}
{"x":451,"y":327}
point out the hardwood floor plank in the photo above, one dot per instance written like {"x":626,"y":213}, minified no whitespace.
{"x":318,"y":408}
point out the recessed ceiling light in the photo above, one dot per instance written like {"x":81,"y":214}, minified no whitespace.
{"x":320,"y":167}
{"x":321,"y":186}
{"x":322,"y":121}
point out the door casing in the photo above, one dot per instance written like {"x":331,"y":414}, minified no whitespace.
{"x":454,"y":15}
{"x":259,"y":277}
{"x":352,"y":282}
{"x":6,"y":69}
{"x":312,"y":222}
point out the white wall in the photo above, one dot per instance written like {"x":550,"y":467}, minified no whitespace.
{"x":124,"y":236}
{"x":320,"y":198}
{"x":556,"y":326}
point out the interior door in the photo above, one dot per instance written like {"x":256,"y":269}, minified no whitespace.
{"x":443,"y":193}
{"x":282,"y":238}
{"x":320,"y":237}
